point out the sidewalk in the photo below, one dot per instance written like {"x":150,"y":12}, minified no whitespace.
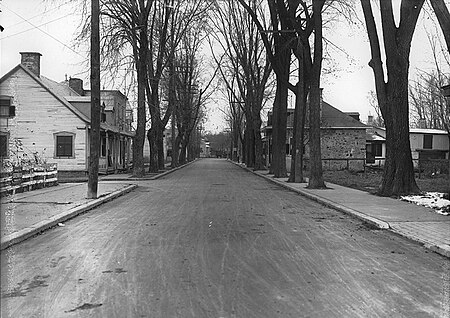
{"x":415,"y":222}
{"x":26,"y":214}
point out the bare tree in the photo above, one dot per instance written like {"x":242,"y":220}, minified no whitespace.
{"x":392,"y":93}
{"x":124,"y":37}
{"x":246,"y":65}
{"x":443,"y":16}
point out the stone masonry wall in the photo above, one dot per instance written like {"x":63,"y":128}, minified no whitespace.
{"x":342,"y":144}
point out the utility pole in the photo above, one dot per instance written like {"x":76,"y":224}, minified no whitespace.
{"x":94,"y":137}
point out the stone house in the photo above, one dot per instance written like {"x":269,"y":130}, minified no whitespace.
{"x":343,"y":139}
{"x":51,"y":120}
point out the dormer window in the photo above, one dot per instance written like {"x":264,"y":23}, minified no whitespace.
{"x":6,"y":108}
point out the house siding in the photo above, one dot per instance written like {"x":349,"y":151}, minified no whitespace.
{"x":39,"y":115}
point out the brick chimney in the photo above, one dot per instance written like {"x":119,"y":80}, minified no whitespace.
{"x":77,"y":85}
{"x":32,"y":61}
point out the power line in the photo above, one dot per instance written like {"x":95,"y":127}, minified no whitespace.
{"x":37,"y":27}
{"x":40,"y":14}
{"x":11,"y":35}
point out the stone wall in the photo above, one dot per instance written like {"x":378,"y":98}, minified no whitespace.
{"x":346,"y":146}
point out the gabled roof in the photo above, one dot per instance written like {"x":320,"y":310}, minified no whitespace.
{"x":334,"y":118}
{"x":47,"y":85}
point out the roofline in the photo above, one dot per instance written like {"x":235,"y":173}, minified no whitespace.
{"x":40,"y":82}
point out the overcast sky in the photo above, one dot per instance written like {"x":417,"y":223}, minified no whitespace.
{"x":48,"y":29}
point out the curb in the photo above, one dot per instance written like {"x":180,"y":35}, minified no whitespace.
{"x":328,"y":203}
{"x":172,"y":170}
{"x":44,"y":225}
{"x":155,"y":177}
{"x":443,"y":250}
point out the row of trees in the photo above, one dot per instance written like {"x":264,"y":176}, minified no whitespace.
{"x":261,"y":41}
{"x":292,"y":34}
{"x":157,"y":43}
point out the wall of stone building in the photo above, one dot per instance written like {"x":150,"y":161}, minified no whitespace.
{"x":342,"y":144}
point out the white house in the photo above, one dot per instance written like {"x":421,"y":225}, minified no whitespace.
{"x":40,"y":117}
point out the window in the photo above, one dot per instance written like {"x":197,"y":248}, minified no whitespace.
{"x":103,"y":145}
{"x":4,"y":143}
{"x":377,"y":150}
{"x":6,"y":109}
{"x":427,"y":141}
{"x":64,"y":145}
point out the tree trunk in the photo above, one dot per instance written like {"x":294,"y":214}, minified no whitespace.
{"x":151,"y":136}
{"x":398,"y":176}
{"x":315,"y":154}
{"x":299,"y":120}
{"x":183,"y":153}
{"x":278,"y":166}
{"x":176,"y":151}
{"x":139,"y":139}
{"x":259,"y":162}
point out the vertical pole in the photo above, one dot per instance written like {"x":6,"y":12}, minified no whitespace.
{"x":95,"y":101}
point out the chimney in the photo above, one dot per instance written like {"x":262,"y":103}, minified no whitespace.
{"x":32,"y":61}
{"x":77,"y":85}
{"x":370,"y":120}
{"x":354,"y":115}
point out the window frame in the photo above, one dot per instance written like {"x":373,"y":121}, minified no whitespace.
{"x":6,"y":135}
{"x":63,"y":134}
{"x":427,"y":141}
{"x":11,"y":108}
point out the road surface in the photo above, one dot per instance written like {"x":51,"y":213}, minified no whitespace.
{"x":213,"y":240}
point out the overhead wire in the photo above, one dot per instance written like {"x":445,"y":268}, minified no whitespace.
{"x":38,"y":28}
{"x":40,"y":14}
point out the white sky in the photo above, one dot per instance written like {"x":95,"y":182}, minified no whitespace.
{"x":31,"y":25}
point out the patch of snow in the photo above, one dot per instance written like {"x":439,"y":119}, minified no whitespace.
{"x":433,"y":200}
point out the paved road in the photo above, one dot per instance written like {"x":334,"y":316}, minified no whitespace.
{"x":212,"y":240}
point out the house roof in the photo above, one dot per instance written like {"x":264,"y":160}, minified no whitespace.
{"x":428,"y":131}
{"x":373,"y":136}
{"x":334,"y":118}
{"x":65,"y":95}
{"x":49,"y":86}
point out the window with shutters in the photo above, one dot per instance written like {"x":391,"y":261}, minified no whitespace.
{"x":6,"y":108}
{"x":64,"y":145}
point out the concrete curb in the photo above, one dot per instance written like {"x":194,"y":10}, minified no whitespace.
{"x":172,"y":170}
{"x":443,"y":250}
{"x":44,"y":225}
{"x":155,"y":177}
{"x":331,"y":204}
{"x":328,"y":203}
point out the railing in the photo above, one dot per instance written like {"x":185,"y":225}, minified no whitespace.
{"x":22,"y":179}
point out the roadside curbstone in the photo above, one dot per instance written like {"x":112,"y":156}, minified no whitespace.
{"x":22,"y":235}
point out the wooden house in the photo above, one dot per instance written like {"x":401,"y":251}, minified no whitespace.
{"x":51,"y":120}
{"x":425,"y":144}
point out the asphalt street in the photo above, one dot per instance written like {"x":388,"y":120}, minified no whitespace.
{"x":213,"y":240}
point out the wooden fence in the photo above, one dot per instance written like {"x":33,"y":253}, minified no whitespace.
{"x":22,"y":179}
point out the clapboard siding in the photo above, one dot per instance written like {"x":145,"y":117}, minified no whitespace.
{"x":39,"y":115}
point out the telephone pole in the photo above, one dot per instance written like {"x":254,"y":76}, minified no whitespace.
{"x":94,"y":137}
